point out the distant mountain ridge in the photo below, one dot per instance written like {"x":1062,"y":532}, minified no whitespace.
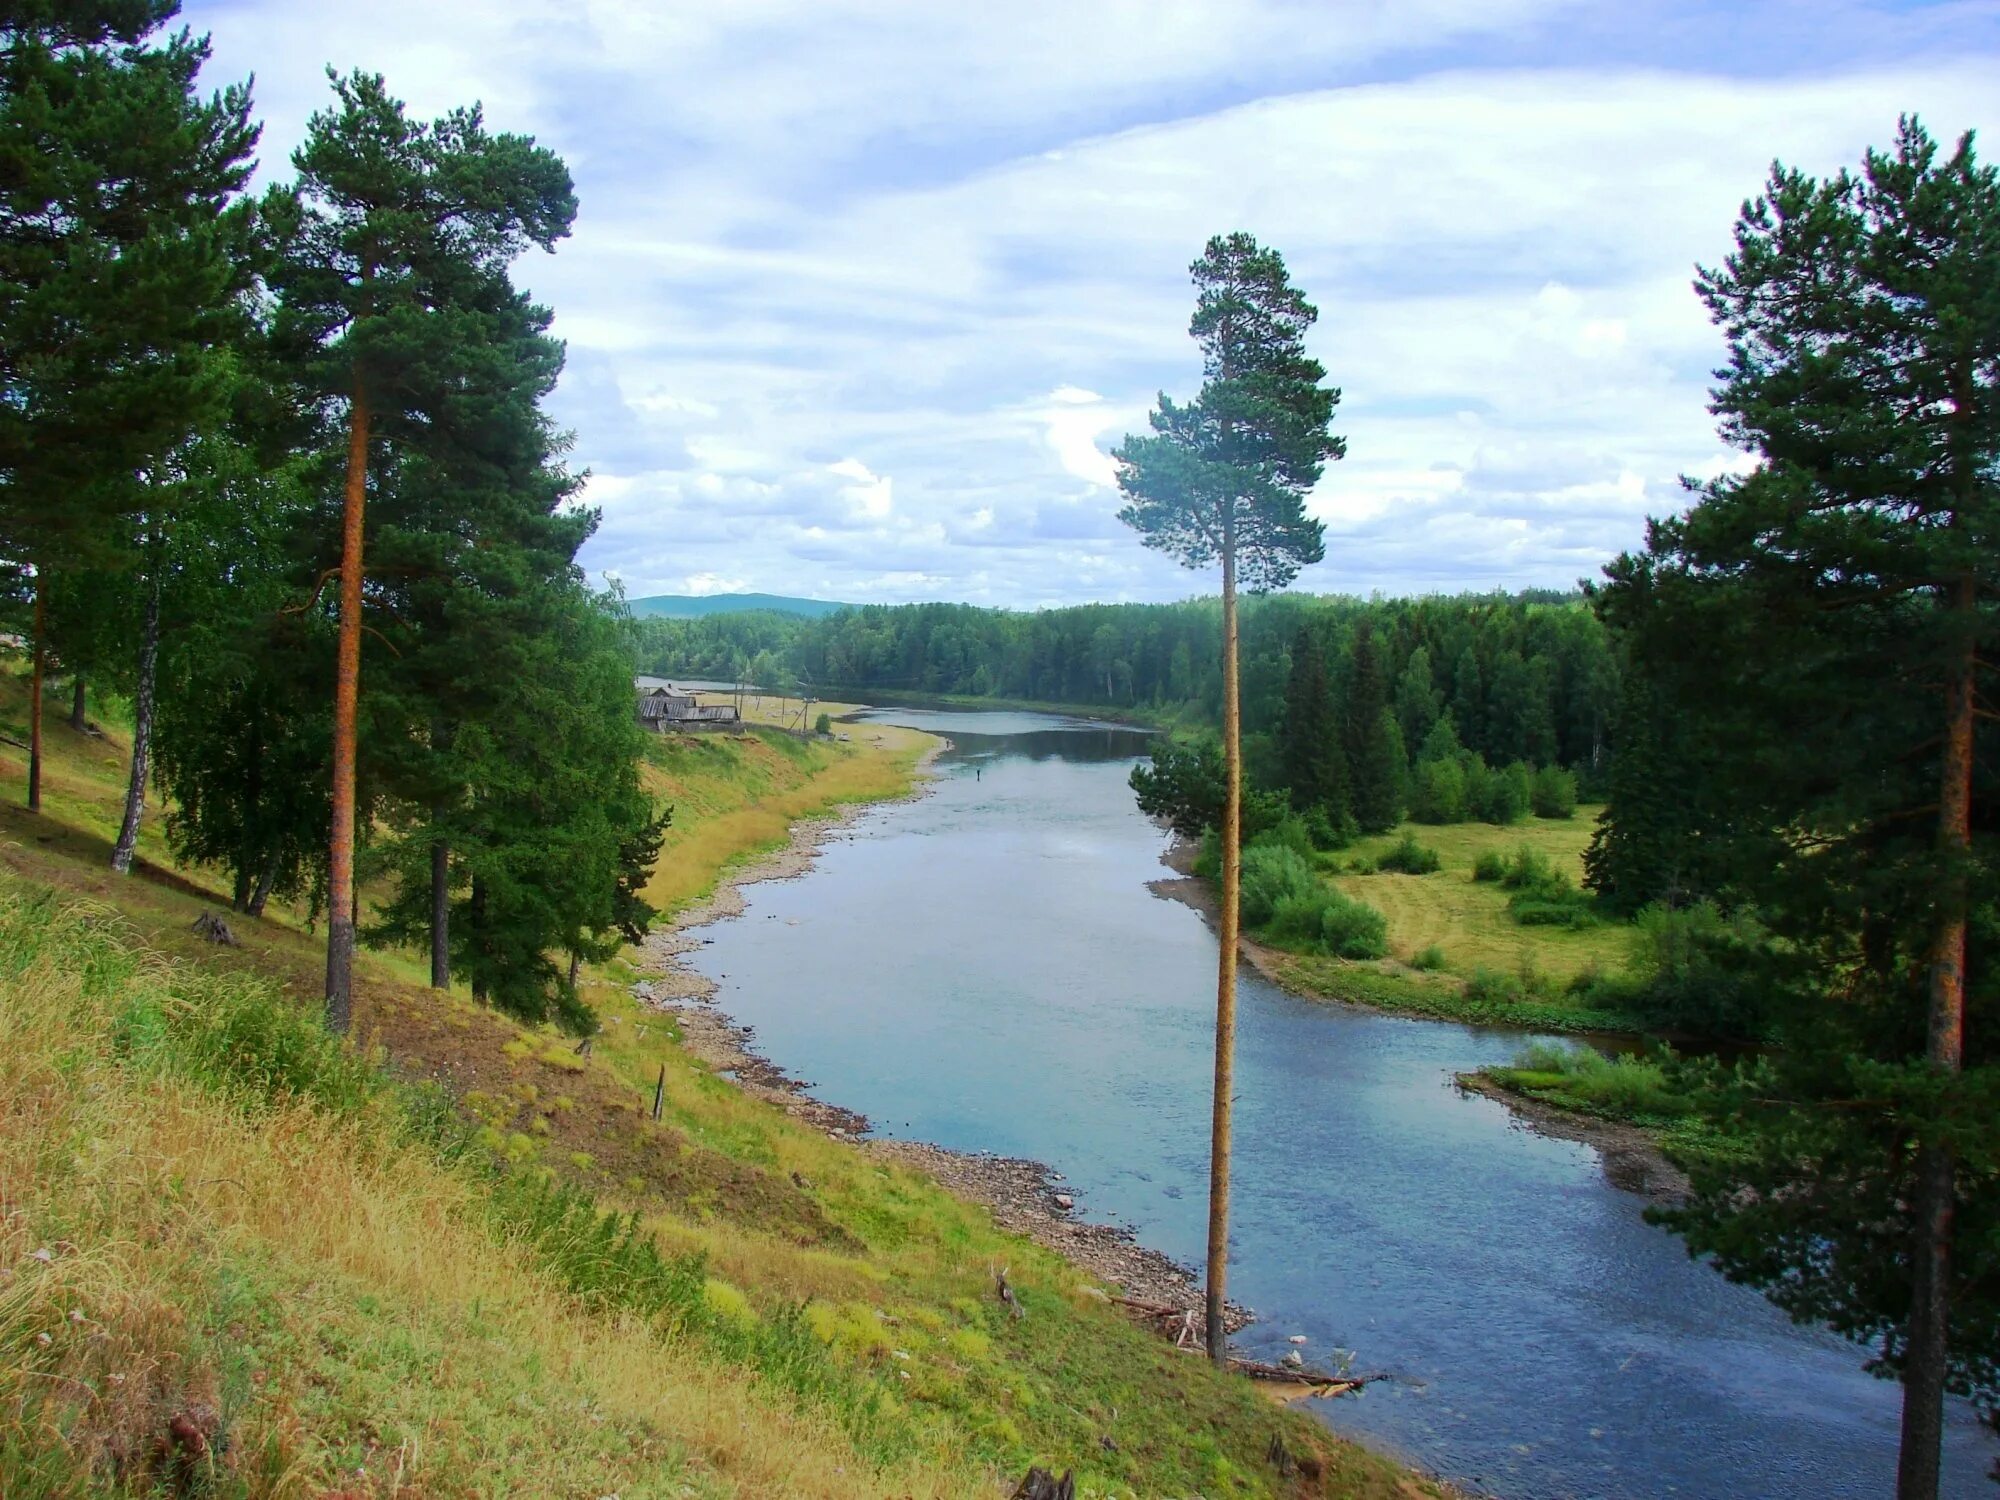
{"x":698,"y":606}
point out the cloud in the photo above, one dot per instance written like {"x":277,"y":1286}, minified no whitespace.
{"x":825,"y":244}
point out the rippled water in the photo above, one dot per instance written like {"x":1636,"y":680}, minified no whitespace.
{"x":985,"y":968}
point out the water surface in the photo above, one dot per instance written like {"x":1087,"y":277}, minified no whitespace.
{"x":989,"y":971}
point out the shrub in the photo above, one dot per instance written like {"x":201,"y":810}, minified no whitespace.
{"x":823,"y":725}
{"x":1437,"y":792}
{"x":1543,"y":895}
{"x":1491,"y":866}
{"x":1289,"y":831}
{"x":1428,"y":959}
{"x":1326,"y":833}
{"x":1271,"y":873}
{"x":1554,"y":793}
{"x":1632,"y":1087}
{"x":1491,"y":987}
{"x":1285,"y":899}
{"x":1504,"y":795}
{"x":1696,"y":970}
{"x":1408,"y":857}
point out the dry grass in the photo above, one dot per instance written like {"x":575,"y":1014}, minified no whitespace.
{"x":340,"y":1305}
{"x":326,"y":1304}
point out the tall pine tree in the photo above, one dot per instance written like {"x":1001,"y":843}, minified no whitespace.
{"x":1223,"y":479}
{"x":1827,"y":623}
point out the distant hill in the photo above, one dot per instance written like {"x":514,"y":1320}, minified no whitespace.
{"x":696,"y":606}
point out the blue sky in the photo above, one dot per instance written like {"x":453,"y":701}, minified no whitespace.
{"x":862,"y":294}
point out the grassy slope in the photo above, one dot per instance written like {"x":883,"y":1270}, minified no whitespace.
{"x":341,"y":1303}
{"x":1470,"y":923}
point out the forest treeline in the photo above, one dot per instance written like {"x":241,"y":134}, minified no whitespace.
{"x":1526,"y":678}
{"x":219,"y":403}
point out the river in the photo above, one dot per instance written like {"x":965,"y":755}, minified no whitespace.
{"x":985,"y":968}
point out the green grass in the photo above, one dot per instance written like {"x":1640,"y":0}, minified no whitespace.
{"x":1648,"y":1091}
{"x":258,"y":1223}
{"x":1469,"y":920}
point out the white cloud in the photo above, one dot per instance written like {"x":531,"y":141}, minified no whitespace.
{"x":954,"y":239}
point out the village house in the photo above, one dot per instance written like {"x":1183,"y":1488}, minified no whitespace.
{"x":662,"y":709}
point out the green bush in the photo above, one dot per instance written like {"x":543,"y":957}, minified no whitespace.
{"x":1554,"y":793}
{"x":1490,"y":866}
{"x":1437,"y":792}
{"x":1407,"y":857}
{"x":1696,"y":970}
{"x":1272,"y":873}
{"x":1328,"y":833}
{"x":1284,"y":898}
{"x":1543,"y":895}
{"x":1289,"y":831}
{"x":1428,"y":959}
{"x":823,"y":725}
{"x":1499,"y":795}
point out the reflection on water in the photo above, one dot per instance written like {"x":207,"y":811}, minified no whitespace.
{"x":990,"y":972}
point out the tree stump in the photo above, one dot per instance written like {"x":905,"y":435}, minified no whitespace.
{"x":1042,"y":1485}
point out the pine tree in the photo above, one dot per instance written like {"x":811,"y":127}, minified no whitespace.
{"x":121,"y":255}
{"x":1827,"y":625}
{"x":1223,"y":480}
{"x":1315,"y":767}
{"x":395,"y":270}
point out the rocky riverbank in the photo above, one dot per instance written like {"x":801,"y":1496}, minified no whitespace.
{"x":1024,"y":1197}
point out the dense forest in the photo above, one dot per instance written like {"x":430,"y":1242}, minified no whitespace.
{"x":1529,"y":677}
{"x":246,"y":433}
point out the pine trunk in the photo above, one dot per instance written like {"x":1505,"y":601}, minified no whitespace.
{"x":440,"y":916}
{"x":346,"y":699}
{"x":1918,"y":1463}
{"x":76,"y":718}
{"x":142,"y":727}
{"x":41,"y":662}
{"x":1225,"y":979}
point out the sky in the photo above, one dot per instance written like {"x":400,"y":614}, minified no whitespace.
{"x":861,"y":295}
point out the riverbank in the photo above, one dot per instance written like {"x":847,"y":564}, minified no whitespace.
{"x":1024,"y":1197}
{"x":287,"y":1270}
{"x":1633,"y":1156}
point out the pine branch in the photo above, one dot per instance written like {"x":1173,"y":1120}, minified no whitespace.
{"x":318,"y":587}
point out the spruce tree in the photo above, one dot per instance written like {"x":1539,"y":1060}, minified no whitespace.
{"x":394,"y":271}
{"x":1222,"y":480}
{"x":1375,"y":755}
{"x":1827,"y":625}
{"x":1315,"y":767}
{"x":1418,"y":702}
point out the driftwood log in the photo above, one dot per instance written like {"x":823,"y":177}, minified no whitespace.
{"x":212,"y":927}
{"x":1042,"y":1485}
{"x":1006,"y":1295}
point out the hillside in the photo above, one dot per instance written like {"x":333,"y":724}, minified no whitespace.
{"x":276,"y":1267}
{"x":701,"y":606}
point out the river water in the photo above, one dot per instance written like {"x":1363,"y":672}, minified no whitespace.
{"x":985,"y":968}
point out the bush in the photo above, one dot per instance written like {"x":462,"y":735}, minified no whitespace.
{"x":1408,"y":857}
{"x":823,"y":725}
{"x":1490,"y":866}
{"x":1504,"y":795}
{"x":1428,"y":959}
{"x":1696,"y":970}
{"x":1630,"y":1087}
{"x":1437,"y":792}
{"x":1554,"y":793}
{"x":1286,"y":900}
{"x":1543,"y":895}
{"x":1325,"y":832}
{"x":1290,"y":831}
{"x":1273,"y":872}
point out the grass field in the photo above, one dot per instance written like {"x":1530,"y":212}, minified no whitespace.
{"x":1469,"y":920}
{"x":250,"y":1237}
